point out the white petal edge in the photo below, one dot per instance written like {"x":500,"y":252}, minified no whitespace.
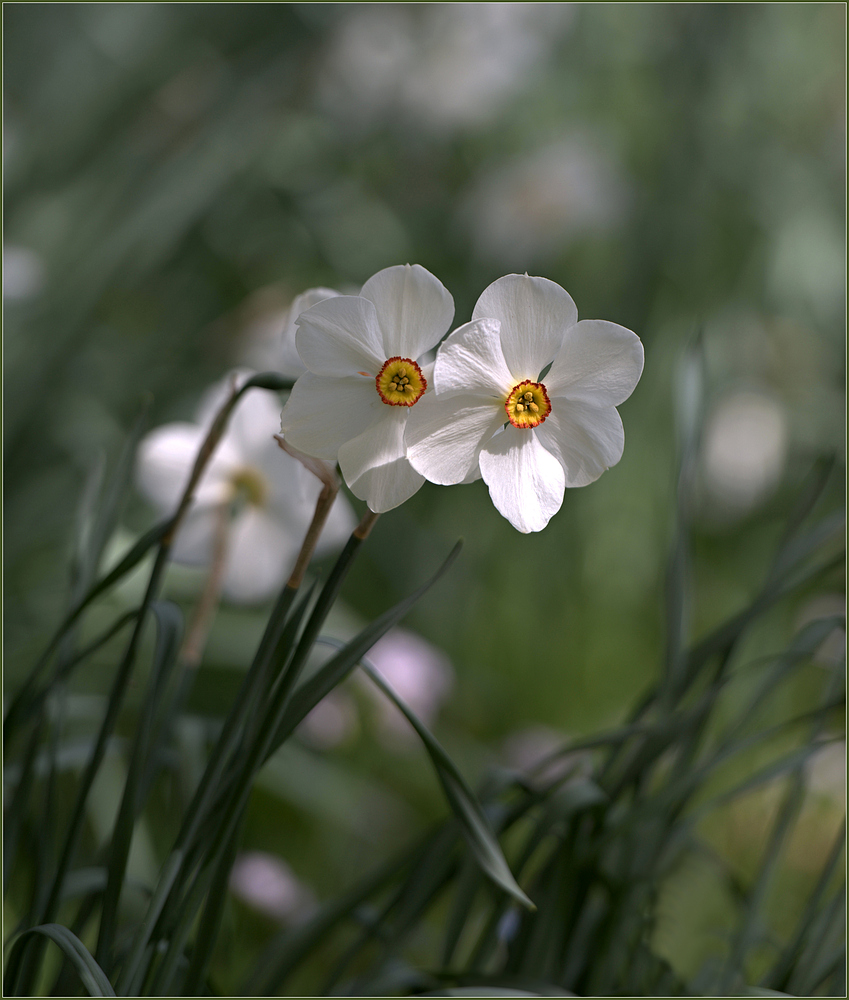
{"x":374,"y":464}
{"x":534,"y":314}
{"x":598,"y":362}
{"x":289,"y":360}
{"x":340,"y":336}
{"x":260,"y":556}
{"x":445,"y":436}
{"x":414,"y":309}
{"x":164,"y":461}
{"x":253,"y":424}
{"x":526,"y":482}
{"x":586,"y":440}
{"x":471,"y":361}
{"x":323,"y":413}
{"x":193,"y":542}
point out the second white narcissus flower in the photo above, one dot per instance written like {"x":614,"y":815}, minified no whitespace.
{"x":267,"y":497}
{"x":364,"y":377}
{"x":529,"y":393}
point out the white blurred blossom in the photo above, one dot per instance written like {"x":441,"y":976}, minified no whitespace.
{"x":270,"y":332}
{"x":23,"y":272}
{"x":268,"y":495}
{"x":419,"y":673}
{"x":442,"y":66}
{"x":744,"y":451}
{"x":540,"y":202}
{"x":266,"y":883}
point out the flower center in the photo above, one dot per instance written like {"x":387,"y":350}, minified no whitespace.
{"x":527,"y":405}
{"x":400,"y":382}
{"x":249,"y":487}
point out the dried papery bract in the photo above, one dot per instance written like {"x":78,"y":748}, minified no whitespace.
{"x":330,"y":484}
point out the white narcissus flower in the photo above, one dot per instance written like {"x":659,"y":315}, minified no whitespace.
{"x":268,"y":495}
{"x":363,"y":354}
{"x":290,"y":361}
{"x":529,"y":393}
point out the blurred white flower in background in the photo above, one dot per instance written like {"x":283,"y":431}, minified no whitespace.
{"x":23,"y":272}
{"x":539,"y":203}
{"x":826,"y":772}
{"x":443,"y":66}
{"x":270,"y":331}
{"x":743,"y":453}
{"x":420,"y":674}
{"x":266,"y":883}
{"x":269,"y":496}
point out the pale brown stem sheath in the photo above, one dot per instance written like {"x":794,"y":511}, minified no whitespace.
{"x":330,"y":488}
{"x":201,"y":621}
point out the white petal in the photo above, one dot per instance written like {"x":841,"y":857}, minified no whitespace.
{"x":340,"y":336}
{"x":290,"y":485}
{"x":534,"y":315}
{"x":525,"y":481}
{"x":414,"y":309}
{"x":323,"y":413}
{"x":217,"y":395}
{"x":166,"y":457}
{"x":586,"y":439}
{"x":260,"y":556}
{"x":193,"y":542}
{"x":445,"y":435}
{"x":253,"y":425}
{"x":471,"y":361}
{"x":374,"y":464}
{"x":599,"y":362}
{"x":290,"y":363}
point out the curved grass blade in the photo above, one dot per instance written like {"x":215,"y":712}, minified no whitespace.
{"x":169,"y":630}
{"x":22,"y":702}
{"x":338,"y":667}
{"x":287,"y":949}
{"x":92,"y":976}
{"x":281,"y":720}
{"x":461,"y":798}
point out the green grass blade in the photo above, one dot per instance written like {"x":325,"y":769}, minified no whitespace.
{"x":778,"y":975}
{"x":289,"y":947}
{"x":461,"y":799}
{"x":92,"y":976}
{"x":103,"y":522}
{"x":169,"y":630}
{"x":22,"y":703}
{"x":207,"y":934}
{"x":338,"y":667}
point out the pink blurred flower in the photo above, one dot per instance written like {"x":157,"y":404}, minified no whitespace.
{"x":267,"y":884}
{"x":420,"y":675}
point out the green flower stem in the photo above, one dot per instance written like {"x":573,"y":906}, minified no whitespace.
{"x":232,"y":735}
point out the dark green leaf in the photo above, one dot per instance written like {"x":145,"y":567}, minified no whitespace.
{"x":92,"y":976}
{"x":460,"y":797}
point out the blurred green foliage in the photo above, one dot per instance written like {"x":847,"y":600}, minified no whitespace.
{"x":170,"y":169}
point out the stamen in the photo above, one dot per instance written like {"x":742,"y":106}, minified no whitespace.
{"x":527,"y":405}
{"x":400,"y":382}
